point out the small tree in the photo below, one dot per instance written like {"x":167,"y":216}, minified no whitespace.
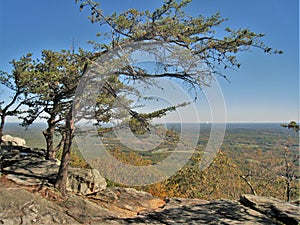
{"x":53,"y":80}
{"x":289,"y":162}
{"x":292,"y":125}
{"x":17,"y":84}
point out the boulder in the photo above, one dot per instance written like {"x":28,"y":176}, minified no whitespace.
{"x":85,"y":181}
{"x":282,"y":211}
{"x":13,"y":141}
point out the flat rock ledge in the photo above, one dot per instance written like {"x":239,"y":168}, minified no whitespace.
{"x":281,"y":211}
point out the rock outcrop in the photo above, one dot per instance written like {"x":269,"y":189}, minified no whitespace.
{"x":84,"y":211}
{"x":85,"y":181}
{"x":117,"y":206}
{"x":28,"y":167}
{"x":18,"y":206}
{"x":214,"y":212}
{"x":284,"y":212}
{"x":126,"y":202}
{"x":13,"y":141}
{"x":27,"y":196}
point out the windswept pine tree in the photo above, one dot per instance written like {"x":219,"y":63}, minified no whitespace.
{"x":171,"y":25}
{"x":197,"y":53}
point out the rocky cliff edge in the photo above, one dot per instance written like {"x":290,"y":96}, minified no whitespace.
{"x":27,"y":196}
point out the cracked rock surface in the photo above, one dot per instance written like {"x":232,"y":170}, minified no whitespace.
{"x":27,"y":196}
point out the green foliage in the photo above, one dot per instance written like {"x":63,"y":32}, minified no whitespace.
{"x":111,"y":100}
{"x":292,"y":125}
{"x":171,"y":24}
{"x":53,"y":79}
{"x":139,"y":123}
{"x":198,"y":38}
{"x":15,"y":81}
{"x":17,"y":84}
{"x":46,"y":86}
{"x":197,"y":53}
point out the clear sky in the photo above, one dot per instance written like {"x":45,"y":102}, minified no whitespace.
{"x":264,"y":89}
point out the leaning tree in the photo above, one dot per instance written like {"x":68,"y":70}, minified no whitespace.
{"x":188,"y":38}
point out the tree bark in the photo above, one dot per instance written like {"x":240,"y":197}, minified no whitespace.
{"x":49,"y":135}
{"x":288,"y":190}
{"x":3,"y":117}
{"x":49,"y":132}
{"x":62,"y":176}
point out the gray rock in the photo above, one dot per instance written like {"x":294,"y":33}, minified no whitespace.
{"x":126,"y":202}
{"x":28,"y":167}
{"x":180,"y":202}
{"x":30,"y":171}
{"x":85,"y":181}
{"x":13,"y":141}
{"x":282,"y":211}
{"x":18,"y":206}
{"x":85,"y":211}
{"x":116,"y":206}
{"x":214,"y":212}
{"x":97,"y":204}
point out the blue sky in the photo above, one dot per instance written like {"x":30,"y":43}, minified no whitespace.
{"x":264,"y":89}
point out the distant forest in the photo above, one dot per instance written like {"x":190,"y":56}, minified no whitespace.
{"x":253,"y":159}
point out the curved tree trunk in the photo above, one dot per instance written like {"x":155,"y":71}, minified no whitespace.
{"x":49,"y":136}
{"x":49,"y":132}
{"x":62,"y":176}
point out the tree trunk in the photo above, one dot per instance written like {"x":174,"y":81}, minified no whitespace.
{"x":3,"y":117}
{"x":49,"y":143}
{"x":288,"y":190}
{"x":49,"y":136}
{"x":62,"y":176}
{"x":49,"y":132}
